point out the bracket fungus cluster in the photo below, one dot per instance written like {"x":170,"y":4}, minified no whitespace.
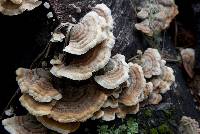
{"x":156,"y":15}
{"x":93,"y":84}
{"x":189,"y":126}
{"x":15,"y":7}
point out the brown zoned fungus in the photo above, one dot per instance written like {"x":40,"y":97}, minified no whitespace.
{"x":151,"y":63}
{"x":94,"y":28}
{"x":156,"y":15}
{"x":63,"y":128}
{"x":131,"y":95}
{"x":122,"y":87}
{"x":188,"y":59}
{"x":15,"y":7}
{"x":163,"y":82}
{"x":116,"y":73}
{"x":37,"y":84}
{"x":82,"y":67}
{"x":189,"y":126}
{"x":77,"y":105}
{"x":26,"y":124}
{"x":93,"y":40}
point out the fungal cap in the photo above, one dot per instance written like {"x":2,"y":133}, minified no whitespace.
{"x":23,"y":125}
{"x":63,"y":128}
{"x":87,"y":34}
{"x":35,"y":108}
{"x":78,"y":104}
{"x":37,"y":84}
{"x":151,"y":63}
{"x":131,"y":95}
{"x":82,"y":67}
{"x":116,"y":73}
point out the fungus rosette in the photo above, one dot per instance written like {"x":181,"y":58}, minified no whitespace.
{"x":82,"y":67}
{"x":189,"y":125}
{"x":156,"y":15}
{"x":15,"y":7}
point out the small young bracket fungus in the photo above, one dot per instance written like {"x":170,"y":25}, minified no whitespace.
{"x":164,"y":81}
{"x":63,"y":128}
{"x":156,"y":15}
{"x":154,"y":98}
{"x":148,"y":89}
{"x":89,"y":32}
{"x":151,"y":63}
{"x":82,"y":67}
{"x":131,"y":95}
{"x":97,"y":115}
{"x":111,"y":102}
{"x":57,"y":37}
{"x":34,"y":107}
{"x":124,"y":110}
{"x":37,"y":84}
{"x":78,"y":104}
{"x":109,"y":114}
{"x":189,"y":126}
{"x":23,"y":125}
{"x":15,"y":7}
{"x":188,"y":58}
{"x":116,"y":73}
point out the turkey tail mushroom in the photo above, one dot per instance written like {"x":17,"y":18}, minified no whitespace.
{"x":164,"y":12}
{"x":26,"y":124}
{"x":189,"y":126}
{"x":37,"y":84}
{"x":131,"y":95}
{"x":78,"y":104}
{"x":88,"y":33}
{"x":116,"y":73}
{"x":151,"y":63}
{"x":82,"y":67}
{"x":63,"y":128}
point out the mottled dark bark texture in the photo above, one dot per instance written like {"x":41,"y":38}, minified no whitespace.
{"x":26,"y":35}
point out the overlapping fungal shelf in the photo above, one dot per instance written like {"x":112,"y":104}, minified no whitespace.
{"x":189,"y":126}
{"x":94,"y":84}
{"x":15,"y":7}
{"x":156,"y":15}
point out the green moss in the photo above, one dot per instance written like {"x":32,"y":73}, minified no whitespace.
{"x":104,"y":129}
{"x":154,"y":131}
{"x":148,"y":113}
{"x":130,"y":126}
{"x":164,"y":129}
{"x":169,"y":113}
